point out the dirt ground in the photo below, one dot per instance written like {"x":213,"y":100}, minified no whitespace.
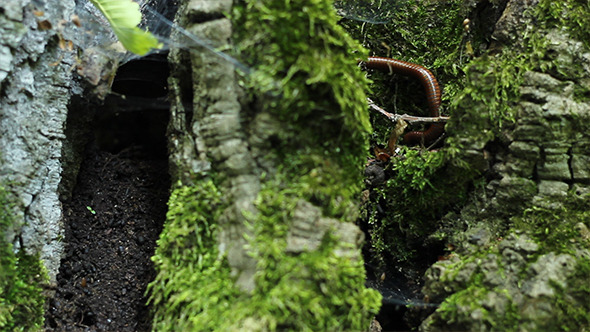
{"x":113,"y":220}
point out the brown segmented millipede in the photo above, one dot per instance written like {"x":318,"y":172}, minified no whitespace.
{"x":432,"y":93}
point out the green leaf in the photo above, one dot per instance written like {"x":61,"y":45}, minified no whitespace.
{"x":124,"y":16}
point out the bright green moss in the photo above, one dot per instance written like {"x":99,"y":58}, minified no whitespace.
{"x":306,"y":73}
{"x":469,"y":301}
{"x":573,"y":14}
{"x":554,"y":230}
{"x":21,"y":275}
{"x":483,"y":106}
{"x":315,"y":176}
{"x":419,"y":192}
{"x":423,"y":186}
{"x":486,"y":104}
{"x":428,"y":33}
{"x":316,"y":290}
{"x":317,"y":92}
{"x":193,"y":282}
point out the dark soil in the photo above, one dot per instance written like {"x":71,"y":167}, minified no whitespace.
{"x":113,"y":220}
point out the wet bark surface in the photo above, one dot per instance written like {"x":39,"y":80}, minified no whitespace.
{"x":113,"y":220}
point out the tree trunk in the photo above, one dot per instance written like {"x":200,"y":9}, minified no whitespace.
{"x":488,"y":229}
{"x":259,"y":233}
{"x":35,"y":84}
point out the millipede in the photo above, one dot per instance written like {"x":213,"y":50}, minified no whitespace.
{"x":430,"y":84}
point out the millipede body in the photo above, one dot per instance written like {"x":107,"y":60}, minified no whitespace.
{"x":432,"y":94}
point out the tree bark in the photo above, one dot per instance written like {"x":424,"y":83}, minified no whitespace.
{"x":36,"y":81}
{"x":274,"y":244}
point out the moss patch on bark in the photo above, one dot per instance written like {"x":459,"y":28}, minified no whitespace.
{"x":307,"y":88}
{"x":21,"y":275}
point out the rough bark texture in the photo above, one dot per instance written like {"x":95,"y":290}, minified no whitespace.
{"x":264,"y":249}
{"x":540,"y":165}
{"x":215,"y":133}
{"x":35,"y":84}
{"x":46,"y":61}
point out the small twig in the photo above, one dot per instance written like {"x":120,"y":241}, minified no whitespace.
{"x":406,"y":117}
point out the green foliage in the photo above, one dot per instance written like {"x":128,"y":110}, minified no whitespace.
{"x":469,"y":301}
{"x":486,"y":104}
{"x":316,"y":177}
{"x":553,"y":228}
{"x":429,"y":33}
{"x":483,"y":105}
{"x":572,"y":14}
{"x":307,"y":76}
{"x":475,"y":298}
{"x":306,"y":71}
{"x":464,"y":280}
{"x":423,"y":185}
{"x":124,"y":16}
{"x":21,"y":301}
{"x":415,"y":169}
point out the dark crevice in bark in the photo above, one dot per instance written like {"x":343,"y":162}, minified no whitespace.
{"x":114,"y":210}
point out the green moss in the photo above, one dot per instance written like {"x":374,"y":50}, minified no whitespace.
{"x":574,"y":15}
{"x":193,"y":283}
{"x":421,"y":189}
{"x":573,"y":307}
{"x":571,"y":16}
{"x":311,"y":291}
{"x":429,"y":33}
{"x":316,"y":290}
{"x":318,"y":93}
{"x":481,"y":98}
{"x":305,"y":76}
{"x":554,"y":230}
{"x":316,"y":177}
{"x":21,"y":275}
{"x":473,"y":300}
{"x":464,"y":305}
{"x":469,"y":301}
{"x":423,"y":186}
{"x":554,"y":225}
{"x":306,"y":73}
{"x":486,"y":104}
{"x":483,"y":106}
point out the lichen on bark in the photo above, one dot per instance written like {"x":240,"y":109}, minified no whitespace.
{"x":282,"y":152}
